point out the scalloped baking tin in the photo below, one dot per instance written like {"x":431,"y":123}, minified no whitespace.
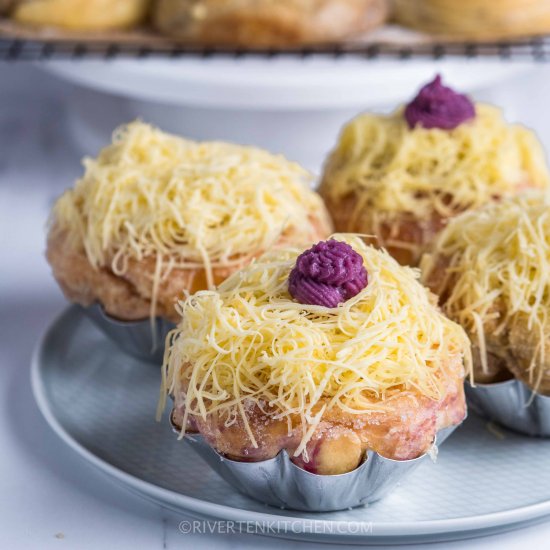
{"x":279,"y":482}
{"x":133,"y":337}
{"x":512,"y":404}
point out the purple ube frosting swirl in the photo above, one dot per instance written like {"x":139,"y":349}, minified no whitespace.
{"x":437,"y":106}
{"x":327,"y":274}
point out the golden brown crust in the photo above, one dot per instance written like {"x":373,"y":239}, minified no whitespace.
{"x":477,"y":19}
{"x":129,"y":297}
{"x":83,"y":284}
{"x":264,"y":23}
{"x":523,"y":355}
{"x":404,"y":430}
{"x":404,"y":237}
{"x":512,"y":351}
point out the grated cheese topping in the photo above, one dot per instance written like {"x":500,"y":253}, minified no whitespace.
{"x":498,"y":271}
{"x":187,"y":204}
{"x":425,"y":171}
{"x":249,"y":343}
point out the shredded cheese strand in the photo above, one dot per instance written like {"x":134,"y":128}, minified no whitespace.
{"x":249,"y":343}
{"x":425,"y":171}
{"x":498,"y":271}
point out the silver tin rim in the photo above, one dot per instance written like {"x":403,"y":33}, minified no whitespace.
{"x":281,"y":483}
{"x":134,"y":337}
{"x":513,"y":405}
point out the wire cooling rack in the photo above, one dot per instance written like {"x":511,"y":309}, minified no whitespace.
{"x":534,"y":49}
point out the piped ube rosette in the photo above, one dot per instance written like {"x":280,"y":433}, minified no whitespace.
{"x":327,"y":274}
{"x":401,"y":177}
{"x":437,"y":106}
{"x":327,"y":354}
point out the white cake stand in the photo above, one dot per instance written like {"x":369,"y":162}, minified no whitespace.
{"x":291,"y":105}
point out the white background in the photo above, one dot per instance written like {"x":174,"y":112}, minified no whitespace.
{"x":49,"y":498}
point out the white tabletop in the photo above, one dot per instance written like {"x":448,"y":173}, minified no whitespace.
{"x":49,"y":497}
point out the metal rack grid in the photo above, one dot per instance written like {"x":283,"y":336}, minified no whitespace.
{"x":534,"y":49}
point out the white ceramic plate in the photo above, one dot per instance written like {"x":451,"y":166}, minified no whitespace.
{"x":280,"y":83}
{"x":102,"y":404}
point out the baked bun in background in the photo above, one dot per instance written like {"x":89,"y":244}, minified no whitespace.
{"x":85,"y":15}
{"x":475,"y":19}
{"x":491,"y":269}
{"x":327,"y":353}
{"x":264,"y":23}
{"x":6,"y":6}
{"x":401,"y":177}
{"x":156,"y":216}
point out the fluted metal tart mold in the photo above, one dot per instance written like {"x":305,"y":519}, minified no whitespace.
{"x":513,"y":405}
{"x":139,"y":339}
{"x":279,"y":482}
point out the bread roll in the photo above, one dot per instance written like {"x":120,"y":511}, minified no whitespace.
{"x":264,"y":23}
{"x":6,"y":6}
{"x":85,"y":15}
{"x":266,"y":362}
{"x":476,"y":19}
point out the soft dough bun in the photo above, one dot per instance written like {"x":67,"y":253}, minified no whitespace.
{"x":491,"y":268}
{"x":87,"y":15}
{"x":255,"y":371}
{"x":264,"y":23}
{"x":156,"y":216}
{"x":476,"y":19}
{"x":6,"y":6}
{"x":402,"y":185}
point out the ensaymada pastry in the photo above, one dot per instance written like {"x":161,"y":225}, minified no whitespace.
{"x":267,"y":23}
{"x":491,"y":268}
{"x":87,"y":15}
{"x":155,"y":216}
{"x":401,"y":177}
{"x":476,"y":19}
{"x":324,"y":353}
